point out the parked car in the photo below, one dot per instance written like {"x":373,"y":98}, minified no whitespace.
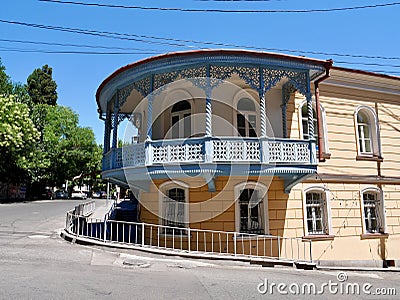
{"x":96,"y":194}
{"x":46,"y":194}
{"x":61,"y":194}
{"x":78,"y":195}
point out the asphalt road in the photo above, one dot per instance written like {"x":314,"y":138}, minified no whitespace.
{"x":36,"y":263}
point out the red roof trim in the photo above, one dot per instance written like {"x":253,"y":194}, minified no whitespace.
{"x":369,"y":73}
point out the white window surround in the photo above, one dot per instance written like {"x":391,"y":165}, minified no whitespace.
{"x":381,"y":209}
{"x":239,"y":96}
{"x":163,"y":193}
{"x":163,"y":104}
{"x":373,"y":132}
{"x":183,"y":125}
{"x":325,"y":147}
{"x":262,"y":192}
{"x":326,"y":210}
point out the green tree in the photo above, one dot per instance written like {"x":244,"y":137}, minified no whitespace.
{"x":18,"y":135}
{"x":66,"y":150}
{"x":5,"y":81}
{"x":41,"y":87}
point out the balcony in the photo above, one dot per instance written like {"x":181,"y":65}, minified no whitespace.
{"x":266,"y":153}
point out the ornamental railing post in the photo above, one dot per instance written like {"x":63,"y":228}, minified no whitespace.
{"x":208,"y":149}
{"x":264,"y":148}
{"x":148,"y":150}
{"x":313,"y":152}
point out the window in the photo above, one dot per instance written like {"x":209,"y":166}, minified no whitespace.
{"x":246,"y":118}
{"x":367,"y":132}
{"x":304,"y":126}
{"x":173,"y":207}
{"x":316,"y":212}
{"x":250,"y":212}
{"x":251,"y":208}
{"x":372,"y":211}
{"x":181,"y":125}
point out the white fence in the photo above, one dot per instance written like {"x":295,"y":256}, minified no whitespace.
{"x":189,"y":240}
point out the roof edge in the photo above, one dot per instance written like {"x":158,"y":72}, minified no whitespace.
{"x":325,"y":63}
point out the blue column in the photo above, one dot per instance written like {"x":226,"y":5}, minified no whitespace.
{"x":107,"y":129}
{"x":208,"y":91}
{"x":115,"y":128}
{"x":150,"y":98}
{"x":284,"y":120}
{"x":263,"y":108}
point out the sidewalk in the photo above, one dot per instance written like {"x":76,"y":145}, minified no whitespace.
{"x":101,"y":210}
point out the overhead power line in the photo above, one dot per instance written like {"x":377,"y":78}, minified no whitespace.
{"x":222,"y":10}
{"x":77,"y":45}
{"x":21,"y":50}
{"x":182,"y":42}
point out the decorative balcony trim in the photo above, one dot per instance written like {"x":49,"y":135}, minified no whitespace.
{"x":269,"y":152}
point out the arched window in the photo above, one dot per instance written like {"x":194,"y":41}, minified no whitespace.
{"x":251,"y":208}
{"x":304,"y":127}
{"x":372,"y":211}
{"x":173,"y":206}
{"x":181,"y":124}
{"x":367,"y":132}
{"x":246,"y":118}
{"x":316,"y":212}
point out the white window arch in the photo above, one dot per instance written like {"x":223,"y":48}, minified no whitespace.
{"x":316,"y":210}
{"x":181,"y":123}
{"x":367,"y":134}
{"x":246,"y":116}
{"x":303,"y":125}
{"x":251,"y":208}
{"x":173,"y":205}
{"x":372,"y":210}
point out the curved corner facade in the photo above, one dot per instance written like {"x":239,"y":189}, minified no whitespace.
{"x":231,"y":140}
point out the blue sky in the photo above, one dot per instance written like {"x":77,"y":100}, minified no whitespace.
{"x":366,"y":32}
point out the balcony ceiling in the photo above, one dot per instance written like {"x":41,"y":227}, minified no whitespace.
{"x":133,"y":81}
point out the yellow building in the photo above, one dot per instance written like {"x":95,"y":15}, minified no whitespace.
{"x":232,"y":151}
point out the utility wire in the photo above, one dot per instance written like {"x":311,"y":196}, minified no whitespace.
{"x":182,"y":42}
{"x":222,"y":10}
{"x":78,"y":45}
{"x":6,"y":49}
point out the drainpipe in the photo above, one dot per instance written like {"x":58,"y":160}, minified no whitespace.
{"x":318,"y":110}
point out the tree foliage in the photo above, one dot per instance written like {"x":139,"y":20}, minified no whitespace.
{"x":41,"y":87}
{"x":66,"y":149}
{"x":18,"y":135}
{"x":5,"y":81}
{"x":41,"y":143}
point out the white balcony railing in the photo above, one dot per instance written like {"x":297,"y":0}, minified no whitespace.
{"x":209,"y":150}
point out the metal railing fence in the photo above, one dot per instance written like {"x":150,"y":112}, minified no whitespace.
{"x":189,"y":240}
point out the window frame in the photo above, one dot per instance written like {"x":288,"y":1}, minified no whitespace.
{"x":374,"y":135}
{"x":263,"y":192}
{"x":246,"y":113}
{"x":381,"y":210}
{"x":163,"y":194}
{"x":326,"y":211}
{"x":325,"y":146}
{"x":182,"y":115}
